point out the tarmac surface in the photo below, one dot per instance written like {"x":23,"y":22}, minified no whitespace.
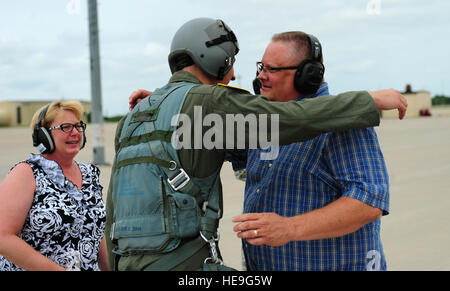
{"x":416,"y":233}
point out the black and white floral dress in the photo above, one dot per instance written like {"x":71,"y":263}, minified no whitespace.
{"x":64,"y":224}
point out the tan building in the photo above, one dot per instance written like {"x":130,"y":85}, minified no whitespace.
{"x":14,"y":113}
{"x":419,"y":104}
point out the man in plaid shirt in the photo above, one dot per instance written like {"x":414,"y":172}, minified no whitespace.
{"x":318,"y":204}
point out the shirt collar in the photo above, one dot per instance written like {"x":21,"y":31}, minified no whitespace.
{"x":56,"y":175}
{"x":183,"y":76}
{"x":323,"y":90}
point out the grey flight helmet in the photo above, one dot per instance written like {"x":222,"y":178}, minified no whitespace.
{"x":210,"y":43}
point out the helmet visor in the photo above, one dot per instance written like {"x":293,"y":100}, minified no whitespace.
{"x":229,"y":36}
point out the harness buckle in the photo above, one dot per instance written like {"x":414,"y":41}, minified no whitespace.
{"x":175,"y":182}
{"x":206,"y":205}
{"x":213,"y":249}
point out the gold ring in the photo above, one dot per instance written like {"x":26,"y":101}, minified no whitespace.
{"x":255,"y":233}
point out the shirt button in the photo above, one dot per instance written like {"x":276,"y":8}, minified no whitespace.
{"x":257,"y":191}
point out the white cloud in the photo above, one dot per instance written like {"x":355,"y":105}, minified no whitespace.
{"x":44,"y":51}
{"x":155,"y":49}
{"x":155,"y":68}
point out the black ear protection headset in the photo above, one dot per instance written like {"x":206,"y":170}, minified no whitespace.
{"x":309,"y":74}
{"x":42,"y":138}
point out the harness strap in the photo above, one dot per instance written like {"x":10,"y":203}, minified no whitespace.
{"x":180,"y":181}
{"x":169,"y":261}
{"x":140,"y":160}
{"x":143,"y":116}
{"x":155,"y":135}
{"x":176,"y":178}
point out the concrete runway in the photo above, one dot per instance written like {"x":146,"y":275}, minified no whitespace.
{"x":416,"y":233}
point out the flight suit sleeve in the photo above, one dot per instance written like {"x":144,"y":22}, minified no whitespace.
{"x":300,"y":120}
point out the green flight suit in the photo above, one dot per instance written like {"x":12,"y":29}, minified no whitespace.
{"x":298,"y":121}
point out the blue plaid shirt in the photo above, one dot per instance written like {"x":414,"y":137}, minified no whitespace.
{"x":309,"y":175}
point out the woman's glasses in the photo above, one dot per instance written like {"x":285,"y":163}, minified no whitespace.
{"x":68,"y":127}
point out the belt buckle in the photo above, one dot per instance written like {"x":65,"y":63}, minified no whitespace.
{"x":175,"y":180}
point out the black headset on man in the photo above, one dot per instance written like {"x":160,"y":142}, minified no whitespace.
{"x":309,"y":74}
{"x":42,"y":138}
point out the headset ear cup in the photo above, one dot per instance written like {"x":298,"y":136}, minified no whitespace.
{"x":310,"y":72}
{"x":42,"y":139}
{"x":308,"y":77}
{"x":299,"y":82}
{"x":45,"y":139}
{"x":35,"y":136}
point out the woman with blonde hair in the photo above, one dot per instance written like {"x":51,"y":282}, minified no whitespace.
{"x":52,"y":216}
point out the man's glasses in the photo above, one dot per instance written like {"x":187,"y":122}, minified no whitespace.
{"x":261,"y":67}
{"x":68,"y":127}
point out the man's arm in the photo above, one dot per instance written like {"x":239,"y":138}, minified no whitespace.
{"x":294,"y":121}
{"x":387,"y":99}
{"x":341,"y":217}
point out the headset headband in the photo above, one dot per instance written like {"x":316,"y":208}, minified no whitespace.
{"x":42,"y":115}
{"x":316,"y":48}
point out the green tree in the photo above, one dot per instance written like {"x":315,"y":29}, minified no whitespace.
{"x":440,"y":100}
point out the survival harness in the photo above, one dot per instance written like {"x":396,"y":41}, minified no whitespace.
{"x":156,"y":203}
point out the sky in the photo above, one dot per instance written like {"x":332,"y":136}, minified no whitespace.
{"x":367,"y":44}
